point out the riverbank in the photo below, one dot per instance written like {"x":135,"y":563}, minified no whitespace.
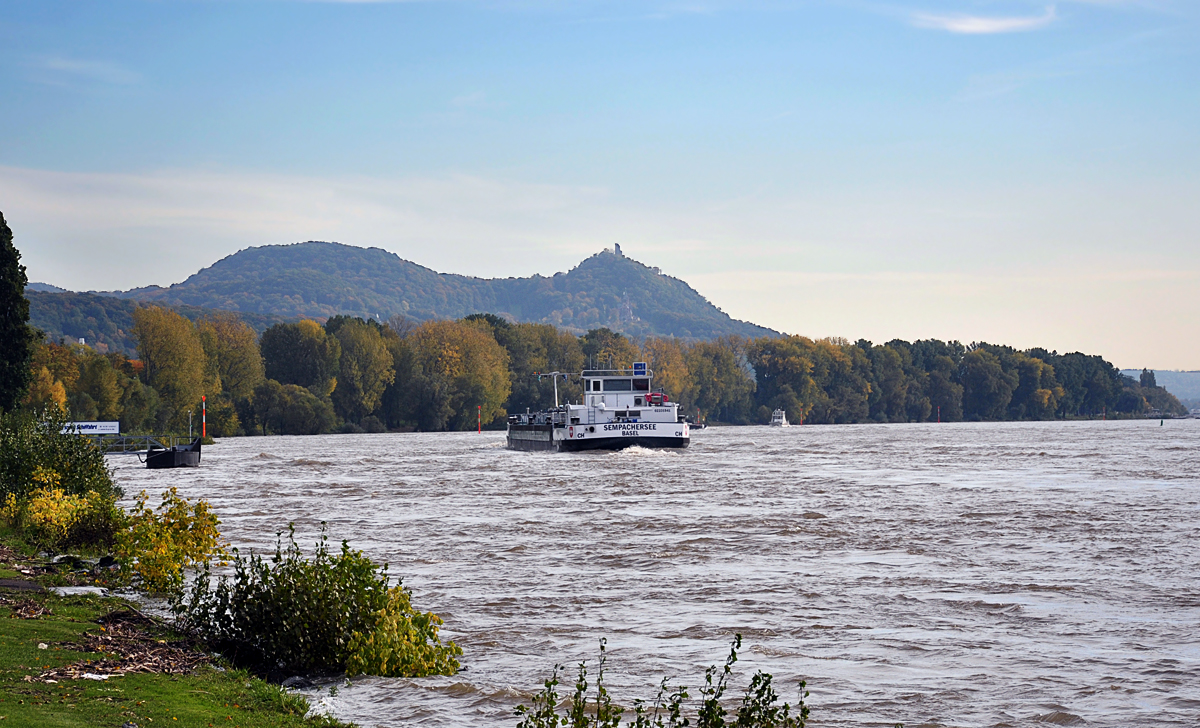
{"x":95,"y":660}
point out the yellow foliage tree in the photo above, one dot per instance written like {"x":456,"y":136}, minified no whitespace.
{"x":45,"y":391}
{"x":452,"y":370}
{"x":157,"y":546}
{"x":666,"y":359}
{"x":174,"y":360}
{"x":231,"y":347}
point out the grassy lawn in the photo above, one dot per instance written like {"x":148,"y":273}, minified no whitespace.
{"x":211,"y":695}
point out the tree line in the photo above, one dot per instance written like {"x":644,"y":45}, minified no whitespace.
{"x":352,"y":375}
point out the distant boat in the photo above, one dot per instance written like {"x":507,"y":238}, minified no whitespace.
{"x":180,"y":456}
{"x":779,"y":419}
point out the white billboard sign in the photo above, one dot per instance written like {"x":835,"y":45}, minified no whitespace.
{"x":93,"y":428}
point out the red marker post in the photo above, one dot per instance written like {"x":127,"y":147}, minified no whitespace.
{"x":203,"y":416}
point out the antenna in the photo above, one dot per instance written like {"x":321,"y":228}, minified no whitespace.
{"x":555,"y":376}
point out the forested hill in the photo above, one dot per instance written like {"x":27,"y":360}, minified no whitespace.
{"x":319,"y":280}
{"x":106,"y":322}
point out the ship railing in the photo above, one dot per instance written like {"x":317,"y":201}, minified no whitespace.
{"x":110,"y":444}
{"x":557,"y":417}
{"x":617,"y":373}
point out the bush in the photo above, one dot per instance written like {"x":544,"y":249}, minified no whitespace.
{"x":758,"y":708}
{"x":404,"y":643}
{"x":52,"y":519}
{"x":156,"y":547}
{"x":32,"y":444}
{"x":332,"y":613}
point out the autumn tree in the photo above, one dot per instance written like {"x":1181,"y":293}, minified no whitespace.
{"x":448,"y":369}
{"x":667,"y":359}
{"x":606,"y":349}
{"x":17,"y":335}
{"x":54,"y":370}
{"x":302,"y":354}
{"x":365,"y":369}
{"x":536,"y":349}
{"x":843,"y":372}
{"x":231,"y":347}
{"x":45,"y":392}
{"x":174,"y":360}
{"x":1037,"y":393}
{"x":783,"y":368}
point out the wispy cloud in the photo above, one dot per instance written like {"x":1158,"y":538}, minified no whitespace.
{"x":57,"y":69}
{"x":984,"y":25}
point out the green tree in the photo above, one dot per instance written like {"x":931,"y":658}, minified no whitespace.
{"x":140,"y":407}
{"x":721,"y":382}
{"x":287,"y":409}
{"x":783,"y":368}
{"x":536,"y":349}
{"x":917,"y":405}
{"x":889,"y":398}
{"x":302,"y":354}
{"x":365,"y":370}
{"x":15,"y":331}
{"x":987,"y":387}
{"x":1147,"y":379}
{"x":174,"y":360}
{"x":100,"y":382}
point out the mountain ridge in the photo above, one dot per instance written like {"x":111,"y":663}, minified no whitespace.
{"x":319,"y":279}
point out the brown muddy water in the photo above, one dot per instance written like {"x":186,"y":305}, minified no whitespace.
{"x":949,"y":575}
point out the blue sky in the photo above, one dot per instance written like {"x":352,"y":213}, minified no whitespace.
{"x":1001,"y":170}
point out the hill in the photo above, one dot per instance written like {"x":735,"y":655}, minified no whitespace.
{"x":104,"y":319}
{"x":317,"y":279}
{"x":1184,"y":385}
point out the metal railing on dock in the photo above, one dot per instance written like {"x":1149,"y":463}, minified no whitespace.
{"x":135,"y":443}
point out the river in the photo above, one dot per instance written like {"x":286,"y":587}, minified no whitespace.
{"x":1004,"y":574}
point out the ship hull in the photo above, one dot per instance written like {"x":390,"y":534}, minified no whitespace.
{"x":620,"y":443}
{"x":533,"y":438}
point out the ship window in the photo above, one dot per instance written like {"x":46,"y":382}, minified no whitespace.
{"x":641,"y":385}
{"x":618,"y":385}
{"x":595,"y":385}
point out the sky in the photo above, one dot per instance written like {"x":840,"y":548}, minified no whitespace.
{"x":1009,"y":171}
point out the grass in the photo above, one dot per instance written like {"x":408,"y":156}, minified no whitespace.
{"x":210,"y":696}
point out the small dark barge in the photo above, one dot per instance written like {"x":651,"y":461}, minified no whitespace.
{"x":180,"y":456}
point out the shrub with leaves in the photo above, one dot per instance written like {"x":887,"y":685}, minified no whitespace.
{"x":156,"y":546}
{"x":404,"y":643}
{"x":34,"y":443}
{"x":53,"y":519}
{"x":759,"y":708}
{"x":331,"y":613}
